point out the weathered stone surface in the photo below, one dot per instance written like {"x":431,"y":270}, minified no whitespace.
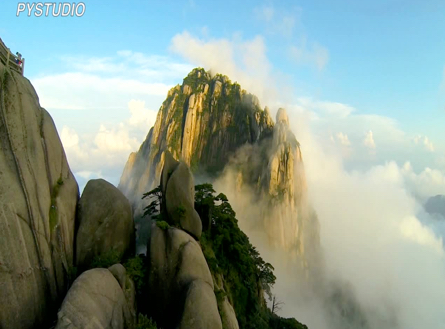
{"x":170,"y":164}
{"x":176,"y":261}
{"x":282,"y":117}
{"x":202,"y":123}
{"x":228,"y":316}
{"x":105,"y":223}
{"x":127,"y":285}
{"x":200,"y":309}
{"x":119,"y":272}
{"x":96,"y":300}
{"x":38,"y":197}
{"x":213,"y":126}
{"x":180,"y":201}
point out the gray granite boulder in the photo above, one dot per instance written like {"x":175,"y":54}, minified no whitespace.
{"x":105,"y":223}
{"x":96,"y":300}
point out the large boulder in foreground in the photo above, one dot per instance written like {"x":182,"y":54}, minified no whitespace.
{"x":38,"y":197}
{"x":179,"y":281}
{"x":96,"y":300}
{"x":105,"y":223}
{"x":178,"y":188}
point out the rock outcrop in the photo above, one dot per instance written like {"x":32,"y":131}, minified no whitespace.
{"x":38,"y":196}
{"x":203,"y":122}
{"x":179,"y":281}
{"x":215,"y":127}
{"x":97,"y":300}
{"x":178,"y":187}
{"x":105,"y":223}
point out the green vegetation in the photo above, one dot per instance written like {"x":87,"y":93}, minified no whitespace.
{"x":229,"y":253}
{"x":163,"y":225}
{"x":137,"y":270}
{"x":154,"y":208}
{"x":106,"y":259}
{"x":145,"y":323}
{"x":180,"y":212}
{"x":53,"y":207}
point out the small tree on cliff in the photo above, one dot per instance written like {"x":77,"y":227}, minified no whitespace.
{"x":154,"y":208}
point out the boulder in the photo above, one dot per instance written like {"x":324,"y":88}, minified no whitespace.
{"x":228,"y":315}
{"x":105,"y":223}
{"x":170,"y":164}
{"x":180,"y":201}
{"x":38,"y":197}
{"x":119,"y":273}
{"x":200,"y":309}
{"x":96,"y":300}
{"x":127,"y":285}
{"x":176,"y":265}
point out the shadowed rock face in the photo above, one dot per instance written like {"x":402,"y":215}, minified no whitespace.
{"x":97,"y":300}
{"x":105,"y":223}
{"x":38,"y":196}
{"x":180,"y":282}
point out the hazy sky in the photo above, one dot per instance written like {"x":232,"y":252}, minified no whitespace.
{"x":367,"y":76}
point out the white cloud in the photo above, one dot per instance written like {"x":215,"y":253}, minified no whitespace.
{"x":88,"y":174}
{"x":141,"y":117}
{"x":427,"y":183}
{"x":313,"y":54}
{"x":104,"y":152}
{"x":244,"y":61}
{"x":75,"y":91}
{"x":412,"y":229}
{"x":110,"y":141}
{"x":373,"y":240}
{"x":343,"y":139}
{"x":423,"y":140}
{"x":369,"y":140}
{"x":331,"y":109}
{"x":282,"y":21}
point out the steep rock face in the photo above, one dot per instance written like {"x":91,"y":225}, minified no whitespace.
{"x":179,"y":200}
{"x":216,"y":127}
{"x":289,"y":221}
{"x":105,"y":223}
{"x":38,"y":197}
{"x":203,"y":122}
{"x":179,"y":281}
{"x":96,"y":300}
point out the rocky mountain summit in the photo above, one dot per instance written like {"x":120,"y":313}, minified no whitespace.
{"x":215,"y":126}
{"x":203,"y":122}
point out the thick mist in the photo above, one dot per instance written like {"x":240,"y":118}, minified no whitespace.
{"x":380,"y":266}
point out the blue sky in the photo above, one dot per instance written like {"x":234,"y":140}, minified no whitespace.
{"x":369,"y":75}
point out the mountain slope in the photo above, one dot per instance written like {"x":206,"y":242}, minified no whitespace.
{"x":203,"y":122}
{"x":219,"y":129}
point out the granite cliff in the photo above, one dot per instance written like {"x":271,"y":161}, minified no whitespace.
{"x":213,"y":125}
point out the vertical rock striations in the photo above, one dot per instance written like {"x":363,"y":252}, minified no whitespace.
{"x":214,"y":126}
{"x":179,"y":281}
{"x":38,"y":196}
{"x":203,"y":122}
